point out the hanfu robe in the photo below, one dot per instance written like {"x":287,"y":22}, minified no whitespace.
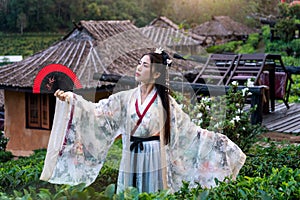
{"x":83,"y":132}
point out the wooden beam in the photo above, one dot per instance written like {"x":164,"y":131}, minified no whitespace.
{"x":293,"y":70}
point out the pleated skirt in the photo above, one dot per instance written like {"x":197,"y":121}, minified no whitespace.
{"x":144,"y":171}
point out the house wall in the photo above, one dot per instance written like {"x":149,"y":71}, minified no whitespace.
{"x":21,"y":140}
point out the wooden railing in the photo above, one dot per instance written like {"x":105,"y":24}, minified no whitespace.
{"x":257,"y":97}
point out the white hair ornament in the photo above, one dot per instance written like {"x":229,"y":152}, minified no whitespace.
{"x":159,"y":50}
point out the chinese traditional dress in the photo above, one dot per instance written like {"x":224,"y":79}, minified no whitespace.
{"x":83,"y":132}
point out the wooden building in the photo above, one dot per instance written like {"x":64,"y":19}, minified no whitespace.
{"x":221,"y":29}
{"x":164,"y":31}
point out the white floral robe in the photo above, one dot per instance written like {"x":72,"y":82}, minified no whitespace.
{"x":83,"y":132}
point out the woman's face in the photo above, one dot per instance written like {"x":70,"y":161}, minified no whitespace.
{"x":143,"y":71}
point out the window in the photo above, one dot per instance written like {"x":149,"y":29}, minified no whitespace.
{"x":39,"y":110}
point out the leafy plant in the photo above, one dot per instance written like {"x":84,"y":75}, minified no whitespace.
{"x":3,"y":141}
{"x":5,"y":156}
{"x":228,"y":47}
{"x":265,"y":156}
{"x":270,"y":172}
{"x":226,"y":114}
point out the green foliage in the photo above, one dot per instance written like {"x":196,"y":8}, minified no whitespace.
{"x":3,"y":141}
{"x":229,"y":47}
{"x":27,"y":44}
{"x":249,"y":46}
{"x":270,"y":172}
{"x":285,"y":29}
{"x":54,"y":15}
{"x":280,"y":184}
{"x":295,"y":11}
{"x":295,"y":89}
{"x":5,"y":156}
{"x":295,"y":46}
{"x":263,"y":157}
{"x":21,"y":173}
{"x":266,"y":33}
{"x":226,"y":114}
{"x":253,"y":39}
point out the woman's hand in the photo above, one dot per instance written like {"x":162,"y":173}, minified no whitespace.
{"x":63,"y":96}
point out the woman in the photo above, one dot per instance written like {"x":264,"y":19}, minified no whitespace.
{"x":161,"y":146}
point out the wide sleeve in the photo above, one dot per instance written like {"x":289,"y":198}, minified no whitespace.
{"x":197,"y":155}
{"x":80,"y":138}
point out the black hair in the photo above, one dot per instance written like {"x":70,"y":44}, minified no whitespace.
{"x":159,"y":62}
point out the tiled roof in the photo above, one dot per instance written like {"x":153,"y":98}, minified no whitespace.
{"x":92,"y":47}
{"x":222,"y":26}
{"x":163,"y":22}
{"x":168,"y":36}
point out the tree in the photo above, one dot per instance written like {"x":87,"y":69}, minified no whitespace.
{"x":22,"y":22}
{"x":286,"y":24}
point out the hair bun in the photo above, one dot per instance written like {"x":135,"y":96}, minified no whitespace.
{"x":166,"y":59}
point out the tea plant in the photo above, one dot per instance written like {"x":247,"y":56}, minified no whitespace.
{"x":270,"y":172}
{"x":4,"y":155}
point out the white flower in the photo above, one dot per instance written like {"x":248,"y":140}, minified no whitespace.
{"x":250,"y":83}
{"x":159,"y":50}
{"x":244,"y":91}
{"x":239,"y":111}
{"x":199,"y":115}
{"x":235,"y":83}
{"x":236,"y":118}
{"x":205,"y":99}
{"x":169,"y":61}
{"x":207,"y":108}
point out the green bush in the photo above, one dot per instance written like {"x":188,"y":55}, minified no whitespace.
{"x":281,"y":184}
{"x":5,"y":156}
{"x":295,"y":46}
{"x":247,"y":48}
{"x":3,"y":141}
{"x":226,"y":114}
{"x":22,"y":173}
{"x":270,"y":172}
{"x":295,"y":89}
{"x":253,"y":40}
{"x":261,"y":159}
{"x":229,"y":47}
{"x":27,"y":44}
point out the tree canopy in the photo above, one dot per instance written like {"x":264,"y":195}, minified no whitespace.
{"x":58,"y":15}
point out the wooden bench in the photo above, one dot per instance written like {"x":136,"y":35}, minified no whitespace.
{"x":264,"y":69}
{"x":216,"y":70}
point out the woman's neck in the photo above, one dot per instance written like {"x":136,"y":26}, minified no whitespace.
{"x":145,"y":90}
